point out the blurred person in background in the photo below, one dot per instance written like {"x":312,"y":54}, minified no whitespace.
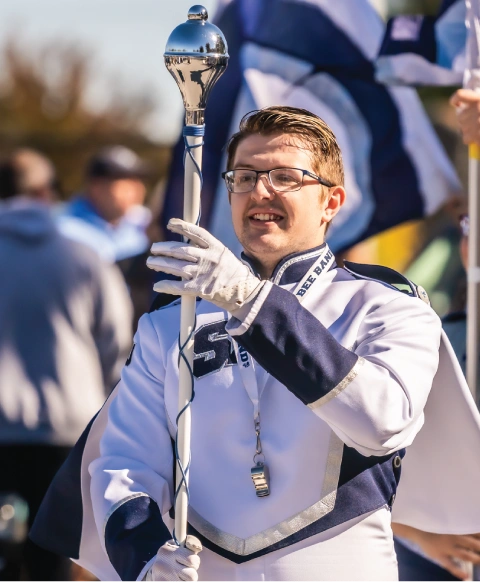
{"x":424,"y":555}
{"x":110,"y":217}
{"x":65,"y":332}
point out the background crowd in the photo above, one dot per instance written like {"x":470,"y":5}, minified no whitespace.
{"x":81,"y":201}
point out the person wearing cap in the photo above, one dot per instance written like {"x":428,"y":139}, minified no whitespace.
{"x":109,"y":214}
{"x":65,"y":332}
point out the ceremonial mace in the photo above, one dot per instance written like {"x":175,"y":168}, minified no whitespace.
{"x":196,"y":56}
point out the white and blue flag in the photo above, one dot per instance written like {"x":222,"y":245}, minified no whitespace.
{"x":320,"y":55}
{"x":425,"y":50}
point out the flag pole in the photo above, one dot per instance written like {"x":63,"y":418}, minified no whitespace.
{"x":473,"y":283}
{"x":196,"y":56}
{"x":473,"y":269}
{"x":472,"y":81}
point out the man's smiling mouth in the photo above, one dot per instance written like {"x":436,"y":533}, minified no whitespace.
{"x":266,"y":217}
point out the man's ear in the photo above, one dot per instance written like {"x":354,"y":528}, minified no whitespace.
{"x":335,"y":200}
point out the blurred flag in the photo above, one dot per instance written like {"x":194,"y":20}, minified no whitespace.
{"x":425,"y":50}
{"x":319,"y":55}
{"x":471,"y":77}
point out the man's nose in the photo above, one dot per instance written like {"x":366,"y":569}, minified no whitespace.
{"x":262,"y":189}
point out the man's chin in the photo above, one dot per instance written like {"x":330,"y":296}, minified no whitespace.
{"x":265,"y":250}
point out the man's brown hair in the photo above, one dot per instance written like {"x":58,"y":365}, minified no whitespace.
{"x":313,"y":131}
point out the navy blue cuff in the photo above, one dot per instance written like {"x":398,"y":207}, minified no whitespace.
{"x":295,"y":348}
{"x":134,"y":533}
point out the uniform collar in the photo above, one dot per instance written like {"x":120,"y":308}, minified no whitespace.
{"x":292,"y":268}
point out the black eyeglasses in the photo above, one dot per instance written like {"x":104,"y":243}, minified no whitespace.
{"x":242,"y":181}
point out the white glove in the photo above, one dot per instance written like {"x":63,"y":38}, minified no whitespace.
{"x":208,"y":269}
{"x":176,"y":562}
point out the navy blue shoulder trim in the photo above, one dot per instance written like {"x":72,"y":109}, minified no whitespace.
{"x":383,"y":275}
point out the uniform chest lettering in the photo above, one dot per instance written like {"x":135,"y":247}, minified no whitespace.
{"x":213,"y":349}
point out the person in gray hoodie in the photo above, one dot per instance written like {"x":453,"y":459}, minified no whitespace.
{"x":65,"y":332}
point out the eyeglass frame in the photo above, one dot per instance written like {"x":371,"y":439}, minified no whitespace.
{"x":257,"y":172}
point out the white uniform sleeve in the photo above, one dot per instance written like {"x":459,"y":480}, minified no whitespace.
{"x":131,"y":486}
{"x":378,"y":409}
{"x":372,"y":395}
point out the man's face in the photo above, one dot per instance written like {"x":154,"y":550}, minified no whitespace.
{"x":113,"y":198}
{"x":271,"y":225}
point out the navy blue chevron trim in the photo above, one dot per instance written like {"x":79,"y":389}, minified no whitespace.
{"x":366,"y":484}
{"x":58,"y":524}
{"x":133,"y":534}
{"x":280,"y":339}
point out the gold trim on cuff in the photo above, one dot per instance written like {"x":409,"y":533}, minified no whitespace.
{"x":339,"y":387}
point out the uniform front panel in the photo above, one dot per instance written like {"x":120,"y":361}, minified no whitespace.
{"x":295,"y":442}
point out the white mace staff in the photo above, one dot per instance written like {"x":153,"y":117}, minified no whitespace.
{"x":196,"y":56}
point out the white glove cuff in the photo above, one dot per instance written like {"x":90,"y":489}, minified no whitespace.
{"x":237,"y":296}
{"x":243,"y":317}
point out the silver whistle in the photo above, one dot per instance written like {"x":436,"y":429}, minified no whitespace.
{"x":261,"y":479}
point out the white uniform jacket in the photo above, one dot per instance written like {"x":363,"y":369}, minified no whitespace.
{"x":350,"y":367}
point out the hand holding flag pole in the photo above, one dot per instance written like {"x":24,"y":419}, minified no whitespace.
{"x":196,"y":56}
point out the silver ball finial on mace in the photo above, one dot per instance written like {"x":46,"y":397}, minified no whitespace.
{"x":196,"y":56}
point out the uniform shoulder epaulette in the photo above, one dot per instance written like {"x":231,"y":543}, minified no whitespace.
{"x":389,"y":276}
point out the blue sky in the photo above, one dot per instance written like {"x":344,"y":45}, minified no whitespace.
{"x":127,"y":38}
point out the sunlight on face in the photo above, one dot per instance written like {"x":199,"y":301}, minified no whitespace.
{"x":269,"y":225}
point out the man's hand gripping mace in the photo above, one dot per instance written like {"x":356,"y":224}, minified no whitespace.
{"x":196,"y":56}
